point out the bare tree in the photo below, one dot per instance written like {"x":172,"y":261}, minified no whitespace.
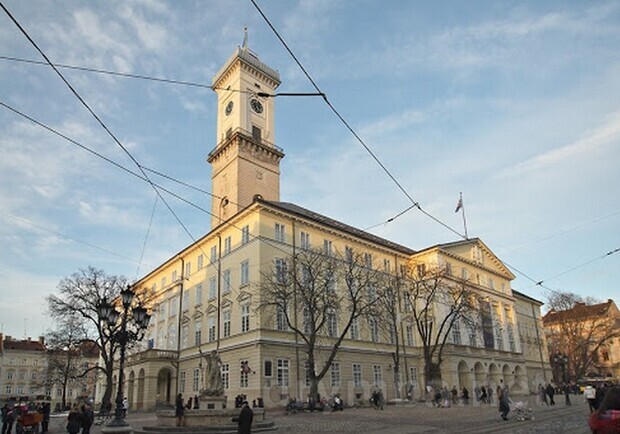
{"x":438,"y":302}
{"x":78,"y":297}
{"x":65,"y":362}
{"x":578,"y":328}
{"x":318,"y":296}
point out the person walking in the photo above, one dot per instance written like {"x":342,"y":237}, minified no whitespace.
{"x":8,"y":417}
{"x":245,"y":419}
{"x":483,"y":395}
{"x":477,"y":393}
{"x":567,"y":394}
{"x":589,"y":394}
{"x":490,"y":393}
{"x":542,"y":394}
{"x":504,"y":401}
{"x":45,"y":410}
{"x":179,"y":410}
{"x":74,"y":420}
{"x":88,"y":417}
{"x":465,"y":396}
{"x":125,"y":407}
{"x":550,"y":392}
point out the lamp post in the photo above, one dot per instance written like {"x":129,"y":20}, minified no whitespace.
{"x":141,"y":318}
{"x":561,"y":360}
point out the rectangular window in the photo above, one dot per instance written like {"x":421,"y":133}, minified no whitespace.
{"x":212,"y":288}
{"x":448,"y":268}
{"x":357,"y":375}
{"x":421,"y":270}
{"x":245,"y":318}
{"x":374,"y":329}
{"x":196,"y":382}
{"x":407,"y":302}
{"x":387,"y":266}
{"x":409,"y":335}
{"x":186,"y":300}
{"x":268,"y":368}
{"x":200,"y":263}
{"x":245,"y":272}
{"x":226,"y":281}
{"x":185,"y":336}
{"x":376,"y":373}
{"x":305,"y":241}
{"x":173,"y":306}
{"x":226,"y":319}
{"x":245,"y":234}
{"x":282,"y":372}
{"x":413,"y":374}
{"x":225,"y":375}
{"x":280,"y":234}
{"x":211,"y":327}
{"x":355,"y":329}
{"x":335,"y":374}
{"x":175,"y":276}
{"x":213,"y":255}
{"x":332,"y":324}
{"x":163,"y":282}
{"x":199,"y":294}
{"x":197,"y":332}
{"x":227,"y":245}
{"x":368,"y":260}
{"x":256,"y":133}
{"x":491,"y":283}
{"x":281,"y":270}
{"x":456,"y":332}
{"x":348,"y":254}
{"x":182,"y":377}
{"x":281,"y":323}
{"x":243,"y":374}
{"x":327,"y":247}
{"x":464,"y":274}
{"x":188,"y":269}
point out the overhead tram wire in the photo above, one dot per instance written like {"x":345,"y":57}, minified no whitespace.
{"x":348,"y":126}
{"x":391,"y":219}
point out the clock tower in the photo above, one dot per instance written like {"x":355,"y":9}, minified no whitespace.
{"x":245,"y":161}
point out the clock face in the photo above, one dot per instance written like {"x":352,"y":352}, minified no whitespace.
{"x":256,"y":105}
{"x":229,"y":108}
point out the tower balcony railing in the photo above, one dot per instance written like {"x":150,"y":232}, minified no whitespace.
{"x":247,"y":135}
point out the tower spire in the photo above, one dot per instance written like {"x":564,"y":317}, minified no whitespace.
{"x":245,"y":37}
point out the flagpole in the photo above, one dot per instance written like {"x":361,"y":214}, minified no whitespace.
{"x":463,"y":212}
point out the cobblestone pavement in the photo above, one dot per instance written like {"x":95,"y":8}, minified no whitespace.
{"x":408,"y":419}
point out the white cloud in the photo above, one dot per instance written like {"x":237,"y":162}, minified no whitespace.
{"x":592,"y":145}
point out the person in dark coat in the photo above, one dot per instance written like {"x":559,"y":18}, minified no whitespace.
{"x":179,"y":410}
{"x":245,"y":419}
{"x":74,"y":420}
{"x":88,"y":417}
{"x":45,"y":410}
{"x":550,"y":393}
{"x":8,"y":417}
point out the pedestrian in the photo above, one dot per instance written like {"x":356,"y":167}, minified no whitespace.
{"x":74,"y":420}
{"x":550,"y":392}
{"x":477,"y":393}
{"x":189,"y":403}
{"x":445,"y":397}
{"x":542,"y":394}
{"x":88,"y":417}
{"x":589,"y":394}
{"x":607,"y":418}
{"x":8,"y":417}
{"x":196,"y":402}
{"x":567,"y":394}
{"x":245,"y":419}
{"x":45,"y":410}
{"x":465,"y":396}
{"x":504,"y":400}
{"x":125,"y":407}
{"x":455,"y":395}
{"x":483,"y":394}
{"x":179,"y":410}
{"x":490,"y":394}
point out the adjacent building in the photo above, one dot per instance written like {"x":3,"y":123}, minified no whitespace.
{"x":207,"y":296}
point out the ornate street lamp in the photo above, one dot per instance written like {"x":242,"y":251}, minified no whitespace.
{"x":141,"y":319}
{"x":561,"y":360}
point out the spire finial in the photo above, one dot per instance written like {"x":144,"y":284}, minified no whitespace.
{"x":245,"y":37}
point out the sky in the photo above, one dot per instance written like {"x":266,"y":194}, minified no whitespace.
{"x":515,"y":104}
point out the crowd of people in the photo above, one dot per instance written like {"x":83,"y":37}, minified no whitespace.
{"x":15,"y":415}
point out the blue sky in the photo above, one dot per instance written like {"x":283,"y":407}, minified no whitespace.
{"x":513,"y":103}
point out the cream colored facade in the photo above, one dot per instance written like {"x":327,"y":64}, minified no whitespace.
{"x":207,"y":296}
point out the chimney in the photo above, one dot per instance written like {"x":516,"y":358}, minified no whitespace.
{"x":42,"y":340}
{"x":1,"y":343}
